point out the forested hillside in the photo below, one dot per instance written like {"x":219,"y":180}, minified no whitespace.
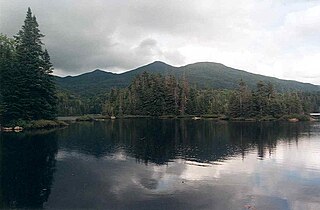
{"x":157,"y":95}
{"x":201,"y":75}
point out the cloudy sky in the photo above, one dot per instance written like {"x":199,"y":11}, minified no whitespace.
{"x":278,"y":38}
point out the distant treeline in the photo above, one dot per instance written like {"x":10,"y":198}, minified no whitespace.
{"x":156,"y":95}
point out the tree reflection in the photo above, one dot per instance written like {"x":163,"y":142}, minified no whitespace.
{"x":27,"y":167}
{"x":160,"y":141}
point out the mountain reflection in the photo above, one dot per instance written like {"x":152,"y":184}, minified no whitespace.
{"x":27,"y":164}
{"x":161,"y":141}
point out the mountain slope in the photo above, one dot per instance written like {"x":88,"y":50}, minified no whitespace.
{"x":203,"y":74}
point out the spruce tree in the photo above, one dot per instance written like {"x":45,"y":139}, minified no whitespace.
{"x":28,"y":84}
{"x":48,"y":87}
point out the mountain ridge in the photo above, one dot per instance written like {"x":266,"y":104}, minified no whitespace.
{"x":200,"y":74}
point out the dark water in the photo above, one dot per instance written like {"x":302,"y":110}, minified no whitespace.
{"x":163,"y":164}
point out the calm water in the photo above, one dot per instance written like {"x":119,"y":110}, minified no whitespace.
{"x":163,"y":164}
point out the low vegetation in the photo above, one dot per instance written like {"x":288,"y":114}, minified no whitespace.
{"x":40,"y":124}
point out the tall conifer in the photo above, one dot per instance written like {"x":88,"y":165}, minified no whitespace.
{"x":29,"y":85}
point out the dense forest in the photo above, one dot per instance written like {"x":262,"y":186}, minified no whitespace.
{"x":27,"y":87}
{"x":157,"y":95}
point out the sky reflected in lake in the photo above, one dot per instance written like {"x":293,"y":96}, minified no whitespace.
{"x":163,"y":164}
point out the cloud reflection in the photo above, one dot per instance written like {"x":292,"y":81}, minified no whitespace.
{"x":281,"y":180}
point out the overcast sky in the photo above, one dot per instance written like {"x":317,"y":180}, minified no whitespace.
{"x":278,"y":38}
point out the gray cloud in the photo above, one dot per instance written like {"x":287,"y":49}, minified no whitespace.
{"x":276,"y":38}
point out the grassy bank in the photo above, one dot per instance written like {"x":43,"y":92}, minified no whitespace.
{"x":40,"y":124}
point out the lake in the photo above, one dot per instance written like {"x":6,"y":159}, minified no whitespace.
{"x":163,"y":164}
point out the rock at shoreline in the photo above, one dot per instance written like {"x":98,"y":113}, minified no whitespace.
{"x":18,"y":129}
{"x":10,"y":129}
{"x":293,"y":120}
{"x":7,"y":129}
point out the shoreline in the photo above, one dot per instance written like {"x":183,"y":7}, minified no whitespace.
{"x":66,"y":120}
{"x":99,"y":117}
{"x":33,"y":125}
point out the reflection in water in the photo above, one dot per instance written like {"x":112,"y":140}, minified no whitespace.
{"x":160,"y":141}
{"x":27,"y":166}
{"x":164,"y":164}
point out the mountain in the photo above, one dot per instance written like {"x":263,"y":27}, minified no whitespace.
{"x":202,"y":74}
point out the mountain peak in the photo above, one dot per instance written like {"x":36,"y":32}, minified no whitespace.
{"x":97,"y":71}
{"x":201,"y":74}
{"x":206,"y":63}
{"x":158,"y":63}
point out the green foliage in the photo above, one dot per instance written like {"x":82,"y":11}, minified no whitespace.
{"x":39,"y":124}
{"x":17,"y":122}
{"x":7,"y":73}
{"x":149,"y":94}
{"x":74,"y":105}
{"x":203,"y":75}
{"x":27,"y":86}
{"x":310,"y":101}
{"x":36,"y":124}
{"x":157,"y":95}
{"x":264,"y":103}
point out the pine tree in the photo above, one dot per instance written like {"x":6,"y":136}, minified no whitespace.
{"x":240,"y":103}
{"x":170,"y":85}
{"x":35,"y":67}
{"x":31,"y":87}
{"x":48,"y":86}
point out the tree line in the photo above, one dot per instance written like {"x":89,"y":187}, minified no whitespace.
{"x":264,"y":101}
{"x":156,"y":95}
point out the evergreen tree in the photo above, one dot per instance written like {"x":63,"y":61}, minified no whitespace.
{"x":233,"y":107}
{"x":8,"y":80}
{"x":240,"y":104}
{"x":35,"y":68}
{"x":30,"y":87}
{"x":156,"y":95}
{"x":184,"y":95}
{"x":170,"y":103}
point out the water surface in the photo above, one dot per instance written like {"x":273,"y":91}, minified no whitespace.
{"x":163,"y":164}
